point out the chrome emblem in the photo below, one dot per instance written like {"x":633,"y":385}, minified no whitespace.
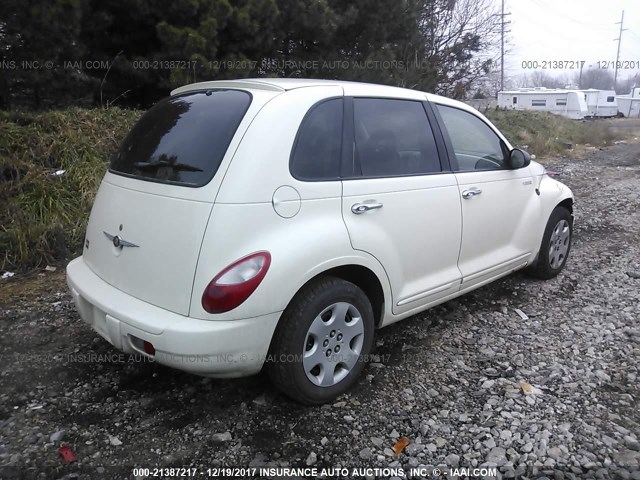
{"x":118,"y":241}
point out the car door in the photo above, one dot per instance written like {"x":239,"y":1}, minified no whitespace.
{"x":399,"y":204}
{"x":498,"y":203}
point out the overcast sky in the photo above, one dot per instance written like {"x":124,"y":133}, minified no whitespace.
{"x":571,"y":30}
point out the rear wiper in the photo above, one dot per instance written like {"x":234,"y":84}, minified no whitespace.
{"x":163,"y":163}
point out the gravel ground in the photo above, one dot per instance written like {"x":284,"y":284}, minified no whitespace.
{"x":470,"y":383}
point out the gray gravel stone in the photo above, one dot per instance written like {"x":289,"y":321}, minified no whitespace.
{"x":490,"y":443}
{"x":57,"y":436}
{"x":312,"y":459}
{"x":555,"y":453}
{"x":497,"y":455}
{"x":377,"y":441}
{"x":221,"y":437}
{"x":632,"y":443}
{"x":365,"y":453}
{"x":453,"y":460}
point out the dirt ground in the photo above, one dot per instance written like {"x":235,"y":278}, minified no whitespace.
{"x":450,"y":379}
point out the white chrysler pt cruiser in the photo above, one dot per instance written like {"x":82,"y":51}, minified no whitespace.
{"x":279,"y":222}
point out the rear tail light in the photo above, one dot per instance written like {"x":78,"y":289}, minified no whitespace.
{"x":236,"y":283}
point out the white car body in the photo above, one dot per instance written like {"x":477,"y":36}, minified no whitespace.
{"x":426,"y":246}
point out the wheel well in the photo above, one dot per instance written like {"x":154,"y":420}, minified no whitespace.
{"x":568,"y":204}
{"x":366,"y":280}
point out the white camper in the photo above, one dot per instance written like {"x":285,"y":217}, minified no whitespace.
{"x":600,"y":103}
{"x":629,"y":105}
{"x":570,"y":103}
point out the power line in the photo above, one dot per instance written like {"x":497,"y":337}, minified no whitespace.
{"x":567,"y":17}
{"x":584,"y":36}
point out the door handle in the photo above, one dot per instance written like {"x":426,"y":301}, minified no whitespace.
{"x":359,"y":208}
{"x":472,"y":192}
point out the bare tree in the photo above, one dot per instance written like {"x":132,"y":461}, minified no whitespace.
{"x":628,"y":83}
{"x":595,"y":78}
{"x":456,"y":45}
{"x":521,"y":81}
{"x":540,"y":78}
{"x":488,"y":85}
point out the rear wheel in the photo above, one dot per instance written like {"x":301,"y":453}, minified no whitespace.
{"x":322,"y":341}
{"x":555,"y":246}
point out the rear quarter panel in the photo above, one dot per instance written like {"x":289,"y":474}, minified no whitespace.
{"x":301,"y":247}
{"x":243,"y":219}
{"x":261,"y":162}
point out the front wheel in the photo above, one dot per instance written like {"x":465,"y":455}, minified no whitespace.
{"x":555,"y":246}
{"x":322,"y":341}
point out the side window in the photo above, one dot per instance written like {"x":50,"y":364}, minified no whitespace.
{"x":476,"y":146}
{"x":317,"y":150}
{"x":393,"y":138}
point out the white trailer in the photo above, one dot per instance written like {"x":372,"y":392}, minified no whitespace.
{"x":569,"y":103}
{"x":629,"y":105}
{"x":600,"y":103}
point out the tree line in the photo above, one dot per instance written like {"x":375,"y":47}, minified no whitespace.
{"x":133,"y":52}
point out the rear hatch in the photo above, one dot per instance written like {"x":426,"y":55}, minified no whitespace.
{"x":151,"y":211}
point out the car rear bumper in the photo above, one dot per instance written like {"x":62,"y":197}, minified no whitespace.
{"x":231,"y":348}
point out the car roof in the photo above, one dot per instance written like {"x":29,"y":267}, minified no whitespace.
{"x":285,"y":84}
{"x":275,"y":84}
{"x":280,"y":85}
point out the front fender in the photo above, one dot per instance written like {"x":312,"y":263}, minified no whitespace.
{"x":551,"y":194}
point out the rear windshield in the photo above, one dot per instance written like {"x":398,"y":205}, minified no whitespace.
{"x":182,"y":139}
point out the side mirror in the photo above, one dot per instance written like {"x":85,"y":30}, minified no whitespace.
{"x":518,"y":159}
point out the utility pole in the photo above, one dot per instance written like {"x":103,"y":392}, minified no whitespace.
{"x":619,"y":39}
{"x":580,"y":78}
{"x":502,"y":48}
{"x":502,"y":24}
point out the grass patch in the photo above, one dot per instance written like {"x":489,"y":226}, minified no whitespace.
{"x":544,"y":133}
{"x":43,"y":217}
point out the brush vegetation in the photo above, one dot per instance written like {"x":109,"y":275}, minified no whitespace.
{"x":43,"y":216}
{"x":545,"y":134}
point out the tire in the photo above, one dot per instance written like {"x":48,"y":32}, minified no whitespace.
{"x":327,"y":315}
{"x":555,"y":246}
